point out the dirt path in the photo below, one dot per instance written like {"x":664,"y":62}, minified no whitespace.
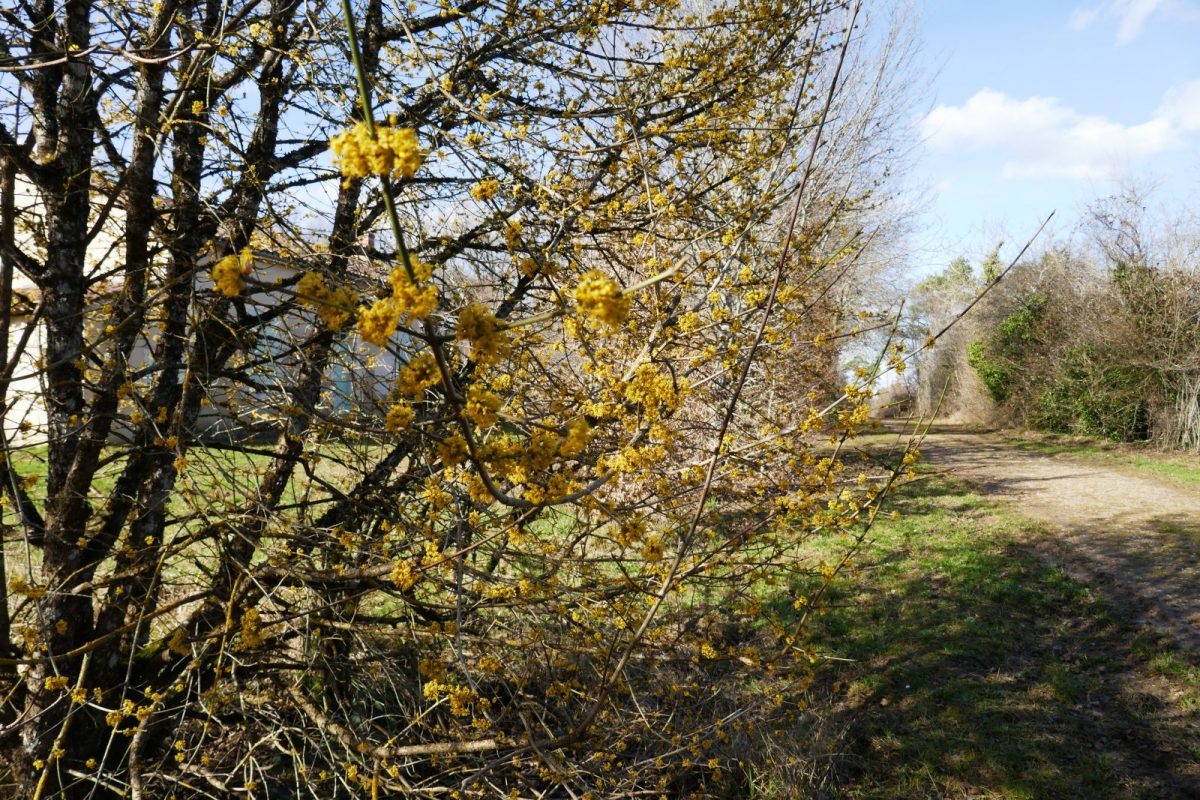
{"x":1133,"y":538}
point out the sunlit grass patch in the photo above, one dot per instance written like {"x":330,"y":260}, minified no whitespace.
{"x":1176,"y":467}
{"x":966,"y":666}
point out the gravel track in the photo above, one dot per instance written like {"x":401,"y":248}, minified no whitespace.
{"x":1134,"y":538}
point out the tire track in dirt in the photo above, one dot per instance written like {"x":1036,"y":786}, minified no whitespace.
{"x":1133,"y":538}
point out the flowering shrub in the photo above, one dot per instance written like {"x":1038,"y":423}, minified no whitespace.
{"x":589,"y":402}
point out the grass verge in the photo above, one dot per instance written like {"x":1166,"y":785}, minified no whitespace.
{"x":977,"y":670}
{"x":1176,"y":467}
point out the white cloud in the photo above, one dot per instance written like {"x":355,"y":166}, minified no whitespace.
{"x":1181,"y":106}
{"x":1039,"y":137}
{"x":1083,"y":17}
{"x":1130,"y":15}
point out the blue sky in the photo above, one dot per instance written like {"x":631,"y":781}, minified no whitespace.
{"x":1038,"y":106}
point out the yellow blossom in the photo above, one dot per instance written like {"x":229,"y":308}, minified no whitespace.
{"x":690,"y":322}
{"x":399,"y":417}
{"x":453,"y":450}
{"x":598,"y":296}
{"x":656,"y":391}
{"x":418,"y":375}
{"x":333,"y":306}
{"x":393,"y":152}
{"x":460,"y":697}
{"x":652,"y":549}
{"x":19,"y":585}
{"x":377,"y":322}
{"x":482,"y":406}
{"x":486,"y":189}
{"x":416,"y":298}
{"x":477,"y":326}
{"x":252,"y":628}
{"x":579,"y":433}
{"x":434,"y":494}
{"x":512,"y":235}
{"x":403,"y":575}
{"x":228,"y":276}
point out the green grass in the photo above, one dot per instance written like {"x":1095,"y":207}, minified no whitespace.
{"x":1180,"y":468}
{"x":1183,"y":674}
{"x":212,"y":472}
{"x":978,"y":670}
{"x":216,"y":481}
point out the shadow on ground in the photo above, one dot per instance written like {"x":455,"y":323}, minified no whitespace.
{"x":979,"y":670}
{"x":1128,"y":535}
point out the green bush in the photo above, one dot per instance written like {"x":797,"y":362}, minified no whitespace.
{"x":999,"y":358}
{"x":994,"y":376}
{"x":1091,"y":396}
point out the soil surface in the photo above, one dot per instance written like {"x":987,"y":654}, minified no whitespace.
{"x":1096,"y":691}
{"x":1133,"y":538}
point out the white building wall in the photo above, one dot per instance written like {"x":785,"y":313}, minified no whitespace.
{"x":359,"y":380}
{"x":25,"y":413}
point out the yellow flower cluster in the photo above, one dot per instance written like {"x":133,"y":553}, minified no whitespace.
{"x":436,"y":496}
{"x":228,"y":276}
{"x":333,"y":306}
{"x":433,"y":555}
{"x":393,"y":152}
{"x":478,"y":326}
{"x":490,"y":664}
{"x":486,"y":189}
{"x":482,"y":406}
{"x":579,"y":433}
{"x":418,"y":375}
{"x":512,"y":234}
{"x":399,"y":417}
{"x":252,"y":628}
{"x":128,"y":708}
{"x":403,"y":575}
{"x":690,"y":322}
{"x":631,"y":532}
{"x":377,"y":322}
{"x":415,"y":299}
{"x":652,"y":549}
{"x":460,"y":697}
{"x":633,"y":459}
{"x":598,"y":296}
{"x":18,"y":585}
{"x":656,"y":391}
{"x":453,"y":450}
{"x":543,"y":447}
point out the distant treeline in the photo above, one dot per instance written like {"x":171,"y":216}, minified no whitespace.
{"x":1100,"y":338}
